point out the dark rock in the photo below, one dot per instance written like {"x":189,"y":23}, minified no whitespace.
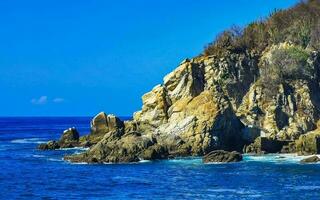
{"x":51,"y":145}
{"x":311,"y":159}
{"x":222,"y":156}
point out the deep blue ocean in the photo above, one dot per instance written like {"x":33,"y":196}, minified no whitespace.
{"x":27,"y":173}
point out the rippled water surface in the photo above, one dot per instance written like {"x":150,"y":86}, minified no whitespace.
{"x":26,"y":173}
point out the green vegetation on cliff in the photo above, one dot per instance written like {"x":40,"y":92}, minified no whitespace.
{"x":299,"y":25}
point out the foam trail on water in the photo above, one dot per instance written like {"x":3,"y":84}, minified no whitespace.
{"x":28,"y":141}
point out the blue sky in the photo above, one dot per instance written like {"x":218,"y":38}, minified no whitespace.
{"x":80,"y":57}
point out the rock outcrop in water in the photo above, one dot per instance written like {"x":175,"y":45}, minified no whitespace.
{"x":69,"y":139}
{"x":311,"y":159}
{"x":256,"y":92}
{"x":220,"y":156}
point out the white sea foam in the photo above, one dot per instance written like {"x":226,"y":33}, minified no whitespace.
{"x":190,"y":160}
{"x":144,"y":161}
{"x":79,"y":163}
{"x":274,"y":158}
{"x":28,"y":141}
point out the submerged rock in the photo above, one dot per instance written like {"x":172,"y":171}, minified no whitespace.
{"x":222,"y":156}
{"x":311,"y":159}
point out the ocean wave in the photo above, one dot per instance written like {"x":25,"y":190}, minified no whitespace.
{"x":38,"y":156}
{"x":55,"y":159}
{"x":28,"y":141}
{"x":74,"y":148}
{"x":305,"y":187}
{"x":237,"y":191}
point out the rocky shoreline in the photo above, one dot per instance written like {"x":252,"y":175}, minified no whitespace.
{"x":255,"y":90}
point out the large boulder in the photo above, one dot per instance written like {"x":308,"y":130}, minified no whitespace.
{"x":220,"y":156}
{"x":311,"y":159}
{"x":103,"y":123}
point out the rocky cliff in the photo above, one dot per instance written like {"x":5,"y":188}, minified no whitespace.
{"x":227,"y":99}
{"x":207,"y":103}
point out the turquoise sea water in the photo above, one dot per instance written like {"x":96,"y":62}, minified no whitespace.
{"x":26,"y":173}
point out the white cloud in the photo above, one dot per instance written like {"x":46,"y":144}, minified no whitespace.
{"x":58,"y":100}
{"x":40,"y":101}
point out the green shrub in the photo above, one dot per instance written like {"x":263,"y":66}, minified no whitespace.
{"x":225,"y":41}
{"x":285,"y":64}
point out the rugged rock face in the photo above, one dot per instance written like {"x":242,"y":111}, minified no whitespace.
{"x":191,"y":108}
{"x":222,"y":156}
{"x":309,"y":143}
{"x":191,"y":113}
